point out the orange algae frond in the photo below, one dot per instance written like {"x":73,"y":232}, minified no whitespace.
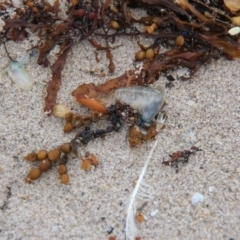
{"x":92,"y":104}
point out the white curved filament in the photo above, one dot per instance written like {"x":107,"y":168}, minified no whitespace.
{"x":131,"y":229}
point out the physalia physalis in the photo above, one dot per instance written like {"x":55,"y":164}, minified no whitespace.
{"x":146,"y":100}
{"x":19,"y":75}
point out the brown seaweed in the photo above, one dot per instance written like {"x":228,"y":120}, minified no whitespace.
{"x":225,"y":46}
{"x":202,"y":25}
{"x":55,"y":83}
{"x":90,"y":90}
{"x":109,"y":55}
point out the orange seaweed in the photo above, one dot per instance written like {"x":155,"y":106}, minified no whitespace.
{"x":92,"y":104}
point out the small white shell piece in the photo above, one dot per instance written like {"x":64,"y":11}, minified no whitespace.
{"x":234,"y":31}
{"x":60,"y":110}
{"x":19,"y":75}
{"x":146,"y":100}
{"x":197,"y":197}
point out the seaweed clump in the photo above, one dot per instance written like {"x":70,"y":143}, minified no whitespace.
{"x":116,"y":115}
{"x":193,"y":31}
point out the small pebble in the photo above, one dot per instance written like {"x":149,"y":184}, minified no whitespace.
{"x":211,"y":189}
{"x":154,"y":213}
{"x":197,"y":197}
{"x":190,"y":137}
{"x":234,"y":31}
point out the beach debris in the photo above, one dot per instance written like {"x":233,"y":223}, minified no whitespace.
{"x":140,"y":217}
{"x":233,"y":5}
{"x":139,"y":116}
{"x":234,"y":31}
{"x":194,"y":32}
{"x":59,"y":110}
{"x":154,"y":213}
{"x":146,"y":100}
{"x":190,"y":137}
{"x":92,"y":103}
{"x":89,"y":160}
{"x":55,"y":83}
{"x":46,"y":160}
{"x":181,"y":157}
{"x":19,"y":75}
{"x":62,"y":168}
{"x":76,"y":120}
{"x":116,"y":114}
{"x":45,"y":165}
{"x":34,"y":174}
{"x":31,"y":157}
{"x":42,"y":154}
{"x":197,"y":197}
{"x":141,"y":191}
{"x":189,"y":30}
{"x":136,"y":136}
{"x":64,"y":178}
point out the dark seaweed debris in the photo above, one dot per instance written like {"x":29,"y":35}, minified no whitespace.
{"x":203,"y":30}
{"x":181,"y":157}
{"x":202,"y":24}
{"x":63,"y":152}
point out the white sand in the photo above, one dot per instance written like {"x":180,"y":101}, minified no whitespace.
{"x":95,"y":201}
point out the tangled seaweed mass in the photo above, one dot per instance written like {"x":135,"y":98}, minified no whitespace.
{"x":194,"y":32}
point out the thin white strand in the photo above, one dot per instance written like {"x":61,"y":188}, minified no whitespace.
{"x":144,"y":193}
{"x":131,"y":229}
{"x":143,"y":184}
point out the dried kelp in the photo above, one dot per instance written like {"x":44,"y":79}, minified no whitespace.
{"x":181,"y":157}
{"x":145,"y":75}
{"x":109,"y":55}
{"x":205,"y":32}
{"x":90,"y":90}
{"x":42,"y":18}
{"x":202,"y":26}
{"x":55,"y":83}
{"x":116,"y":115}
